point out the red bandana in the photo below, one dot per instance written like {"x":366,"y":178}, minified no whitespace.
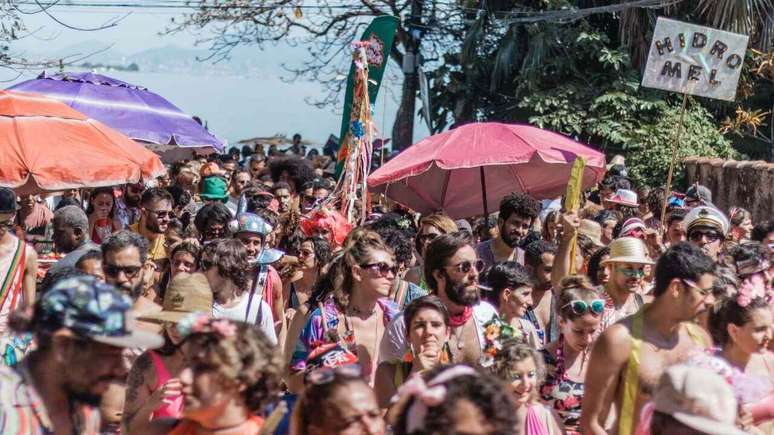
{"x":458,"y":320}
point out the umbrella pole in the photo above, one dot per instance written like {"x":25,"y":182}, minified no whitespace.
{"x":483,"y":190}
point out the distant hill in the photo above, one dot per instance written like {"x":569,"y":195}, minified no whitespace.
{"x":244,"y":60}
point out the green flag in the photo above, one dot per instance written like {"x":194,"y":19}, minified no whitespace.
{"x":381,"y":33}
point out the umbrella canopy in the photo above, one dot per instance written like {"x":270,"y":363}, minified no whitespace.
{"x":48,"y":146}
{"x":133,"y":110}
{"x":450,"y":171}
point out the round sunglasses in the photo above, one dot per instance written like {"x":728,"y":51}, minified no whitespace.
{"x":466,"y":266}
{"x":579,"y":307}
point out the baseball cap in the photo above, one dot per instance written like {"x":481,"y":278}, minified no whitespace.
{"x":214,"y":188}
{"x":8,"y":200}
{"x":698,"y":398}
{"x":92,"y":309}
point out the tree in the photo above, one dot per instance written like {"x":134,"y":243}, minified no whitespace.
{"x":560,"y":67}
{"x":327,"y":28}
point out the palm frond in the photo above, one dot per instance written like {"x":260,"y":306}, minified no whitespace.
{"x":505,"y":59}
{"x":739,"y":16}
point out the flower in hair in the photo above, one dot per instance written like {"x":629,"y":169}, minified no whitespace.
{"x":202,"y":323}
{"x":224,"y":328}
{"x":753,"y":287}
{"x":495,"y":333}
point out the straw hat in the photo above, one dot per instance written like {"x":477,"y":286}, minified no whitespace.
{"x":628,"y":250}
{"x":186,"y":294}
{"x":592,"y":230}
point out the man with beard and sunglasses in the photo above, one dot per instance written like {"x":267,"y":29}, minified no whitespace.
{"x":81,"y":327}
{"x":154,"y":221}
{"x":124,"y":262}
{"x":517,"y":214}
{"x":451,"y":270}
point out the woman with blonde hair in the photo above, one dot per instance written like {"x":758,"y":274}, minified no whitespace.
{"x":430,"y":227}
{"x":359,"y":309}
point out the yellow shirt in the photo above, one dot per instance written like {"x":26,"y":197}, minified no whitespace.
{"x":156,"y":248}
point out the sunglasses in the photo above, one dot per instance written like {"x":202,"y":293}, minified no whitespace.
{"x":326,"y":375}
{"x":711,"y":236}
{"x":305,"y":254}
{"x":632,"y":273}
{"x":381,"y":268}
{"x":129,"y":271}
{"x":7,"y":224}
{"x":703,"y":291}
{"x":579,"y":307}
{"x":162,"y":214}
{"x":466,"y":266}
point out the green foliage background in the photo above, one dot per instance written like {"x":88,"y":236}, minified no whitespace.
{"x":582,"y":79}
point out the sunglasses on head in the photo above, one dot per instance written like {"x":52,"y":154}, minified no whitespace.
{"x":711,"y":236}
{"x":579,"y":307}
{"x":381,"y":268}
{"x":326,"y":375}
{"x":466,"y":266}
{"x":129,"y":271}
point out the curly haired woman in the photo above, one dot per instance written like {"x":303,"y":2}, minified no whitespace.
{"x":231,"y":373}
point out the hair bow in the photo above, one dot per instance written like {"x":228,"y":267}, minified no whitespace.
{"x":428,"y":395}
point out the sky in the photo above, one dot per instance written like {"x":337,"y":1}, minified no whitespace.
{"x":234,"y":107}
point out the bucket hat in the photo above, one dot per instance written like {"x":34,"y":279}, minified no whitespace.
{"x":628,"y":250}
{"x":187,"y":293}
{"x":592,"y":230}
{"x":698,"y":398}
{"x":94,"y":310}
{"x":214,"y":188}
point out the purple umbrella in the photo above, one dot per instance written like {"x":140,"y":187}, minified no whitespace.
{"x":135,"y":111}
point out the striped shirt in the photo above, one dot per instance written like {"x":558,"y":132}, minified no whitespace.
{"x":22,"y":411}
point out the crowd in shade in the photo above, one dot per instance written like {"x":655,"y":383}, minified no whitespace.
{"x":230,"y":296}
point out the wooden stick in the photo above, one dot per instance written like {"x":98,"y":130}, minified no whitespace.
{"x":668,"y":188}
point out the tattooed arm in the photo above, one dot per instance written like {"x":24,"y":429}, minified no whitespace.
{"x":137,"y":407}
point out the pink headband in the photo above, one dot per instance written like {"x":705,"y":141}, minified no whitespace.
{"x":427,"y":395}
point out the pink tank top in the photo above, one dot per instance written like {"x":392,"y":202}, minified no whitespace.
{"x":535,"y":425}
{"x":173,"y":409}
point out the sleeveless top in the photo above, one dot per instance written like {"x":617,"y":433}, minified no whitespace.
{"x":13,"y":346}
{"x":631,"y":380}
{"x":537,"y":421}
{"x":174,"y":409}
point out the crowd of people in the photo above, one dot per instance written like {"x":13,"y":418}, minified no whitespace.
{"x":231,"y":297}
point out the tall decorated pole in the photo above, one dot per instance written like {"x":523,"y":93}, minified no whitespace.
{"x":369,"y":59}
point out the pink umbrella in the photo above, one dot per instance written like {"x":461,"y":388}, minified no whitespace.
{"x":451,"y":171}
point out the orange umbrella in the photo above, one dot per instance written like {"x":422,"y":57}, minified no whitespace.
{"x":48,"y":146}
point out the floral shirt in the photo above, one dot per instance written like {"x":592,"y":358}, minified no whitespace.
{"x":562,"y":394}
{"x":313,"y":333}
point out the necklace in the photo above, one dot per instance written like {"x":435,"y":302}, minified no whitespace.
{"x":357,"y":311}
{"x":458,"y":333}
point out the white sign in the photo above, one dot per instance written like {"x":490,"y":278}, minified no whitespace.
{"x":694,"y":60}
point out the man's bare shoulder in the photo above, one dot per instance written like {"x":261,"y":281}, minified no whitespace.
{"x":614,"y":344}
